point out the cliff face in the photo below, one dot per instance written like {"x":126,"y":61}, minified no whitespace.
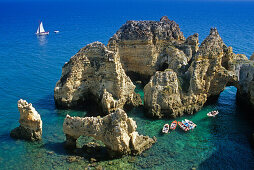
{"x":30,"y":122}
{"x":162,"y":95}
{"x":116,"y":131}
{"x":95,"y":73}
{"x":245,"y":91}
{"x":147,"y":46}
{"x":173,"y":94}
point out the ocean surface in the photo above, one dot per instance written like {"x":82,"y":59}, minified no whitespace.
{"x":30,"y":67}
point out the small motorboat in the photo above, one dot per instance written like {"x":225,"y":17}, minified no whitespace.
{"x":165,"y":128}
{"x":213,"y":113}
{"x":173,"y":125}
{"x":190,"y":123}
{"x":182,"y":126}
{"x":56,"y":31}
{"x":187,"y":125}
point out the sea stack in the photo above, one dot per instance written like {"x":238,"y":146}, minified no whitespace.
{"x":30,"y":123}
{"x":95,"y":73}
{"x":116,"y":131}
{"x":245,"y":91}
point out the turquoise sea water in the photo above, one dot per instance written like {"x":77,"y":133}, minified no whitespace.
{"x":31,"y":65}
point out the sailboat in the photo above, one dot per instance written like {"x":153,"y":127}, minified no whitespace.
{"x":41,"y":31}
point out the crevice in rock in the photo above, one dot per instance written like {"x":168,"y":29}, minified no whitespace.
{"x":135,"y":77}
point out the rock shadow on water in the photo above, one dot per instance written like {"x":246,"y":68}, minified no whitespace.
{"x":46,"y":102}
{"x":88,"y":109}
{"x":55,"y":147}
{"x":92,"y":152}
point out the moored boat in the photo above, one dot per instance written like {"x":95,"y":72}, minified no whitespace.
{"x":213,"y":113}
{"x":165,"y":128}
{"x":193,"y":125}
{"x":182,"y":126}
{"x":173,"y":125}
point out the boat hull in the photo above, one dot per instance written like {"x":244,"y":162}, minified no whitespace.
{"x":165,"y":128}
{"x":210,"y":114}
{"x":173,"y":125}
{"x":183,"y":127}
{"x":42,"y":33}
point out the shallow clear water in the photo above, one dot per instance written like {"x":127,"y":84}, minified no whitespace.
{"x":31,"y":65}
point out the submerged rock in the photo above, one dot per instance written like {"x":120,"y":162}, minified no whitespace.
{"x":171,"y":94}
{"x":147,"y":46}
{"x":30,"y":122}
{"x":95,"y":73}
{"x":116,"y":131}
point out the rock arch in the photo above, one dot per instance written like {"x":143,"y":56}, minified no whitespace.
{"x":207,"y":77}
{"x":116,"y":131}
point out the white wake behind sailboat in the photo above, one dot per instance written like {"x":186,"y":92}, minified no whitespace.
{"x":41,"y":31}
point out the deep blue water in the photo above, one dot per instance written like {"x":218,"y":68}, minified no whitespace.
{"x":30,"y":66}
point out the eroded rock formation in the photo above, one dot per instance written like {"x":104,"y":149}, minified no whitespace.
{"x":213,"y":67}
{"x":95,"y":73}
{"x":183,"y":76}
{"x":30,"y":122}
{"x":252,"y":57}
{"x":116,"y":131}
{"x":245,"y":91}
{"x":147,"y":46}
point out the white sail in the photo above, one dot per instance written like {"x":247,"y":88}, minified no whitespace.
{"x":41,"y":28}
{"x":38,"y":30}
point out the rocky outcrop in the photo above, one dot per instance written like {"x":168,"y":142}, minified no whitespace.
{"x":147,"y":46}
{"x":182,"y":74}
{"x":116,"y":131}
{"x":245,"y":91}
{"x":162,"y":95}
{"x":30,"y":123}
{"x":252,"y":57}
{"x":95,"y":73}
{"x":213,"y":67}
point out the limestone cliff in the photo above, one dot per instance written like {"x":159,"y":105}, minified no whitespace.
{"x":213,"y":67}
{"x":95,"y":73}
{"x":162,"y":95}
{"x":116,"y":131}
{"x":245,"y":91}
{"x":147,"y":46}
{"x":30,"y":122}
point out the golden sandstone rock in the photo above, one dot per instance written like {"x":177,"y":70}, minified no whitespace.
{"x":116,"y":131}
{"x":30,"y":122}
{"x":95,"y":73}
{"x":182,"y":74}
{"x":209,"y":73}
